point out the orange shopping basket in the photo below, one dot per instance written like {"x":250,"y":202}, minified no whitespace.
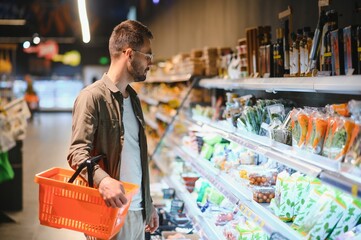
{"x":77,"y":206}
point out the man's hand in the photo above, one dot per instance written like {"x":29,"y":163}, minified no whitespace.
{"x":154,"y":222}
{"x":112,"y":192}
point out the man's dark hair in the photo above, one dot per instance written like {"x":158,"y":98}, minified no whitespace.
{"x":128,"y":34}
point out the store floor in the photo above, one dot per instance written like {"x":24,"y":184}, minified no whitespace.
{"x":45,"y":146}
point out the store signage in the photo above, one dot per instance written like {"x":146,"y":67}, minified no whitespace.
{"x":71,"y":58}
{"x":46,"y":49}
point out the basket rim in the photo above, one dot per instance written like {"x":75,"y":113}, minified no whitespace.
{"x":44,"y":178}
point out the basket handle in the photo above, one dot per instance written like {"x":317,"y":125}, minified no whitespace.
{"x":89,"y":164}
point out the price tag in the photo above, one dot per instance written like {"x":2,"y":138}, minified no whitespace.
{"x":241,"y":208}
{"x":261,"y":223}
{"x":354,"y":190}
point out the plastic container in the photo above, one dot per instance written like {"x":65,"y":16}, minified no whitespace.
{"x":189,"y":181}
{"x":77,"y":207}
{"x":263,"y":194}
{"x":168,"y":193}
{"x":266,"y":177}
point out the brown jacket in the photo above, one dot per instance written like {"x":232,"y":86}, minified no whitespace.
{"x":97,"y":129}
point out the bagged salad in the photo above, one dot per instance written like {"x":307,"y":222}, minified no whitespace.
{"x":317,"y":127}
{"x":349,"y":218}
{"x":320,"y":222}
{"x":299,"y":121}
{"x":338,"y":136}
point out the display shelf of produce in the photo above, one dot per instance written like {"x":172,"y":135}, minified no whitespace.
{"x":238,"y":195}
{"x":151,"y":123}
{"x":331,"y":84}
{"x":163,"y":117}
{"x":328,"y":170}
{"x":152,"y":143}
{"x":158,"y":161}
{"x":205,"y":228}
{"x":148,"y":100}
{"x":169,"y":78}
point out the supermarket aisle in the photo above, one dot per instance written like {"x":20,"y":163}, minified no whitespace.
{"x":45,"y":146}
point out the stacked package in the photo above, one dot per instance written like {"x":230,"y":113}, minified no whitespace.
{"x":210,"y":56}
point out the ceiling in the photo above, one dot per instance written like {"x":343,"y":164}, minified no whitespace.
{"x":59,"y":18}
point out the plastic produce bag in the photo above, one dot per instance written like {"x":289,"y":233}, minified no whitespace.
{"x":349,"y":218}
{"x":353,"y":234}
{"x":318,"y":224}
{"x":6,"y":171}
{"x":283,"y":203}
{"x":299,"y":127}
{"x":301,"y":189}
{"x":309,"y":206}
{"x":338,"y":136}
{"x":316,"y":133}
{"x":353,"y":155}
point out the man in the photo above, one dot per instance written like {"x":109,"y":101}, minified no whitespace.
{"x":108,"y":120}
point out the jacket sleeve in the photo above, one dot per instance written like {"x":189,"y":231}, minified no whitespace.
{"x":84,"y":126}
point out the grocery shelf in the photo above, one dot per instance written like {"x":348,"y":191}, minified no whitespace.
{"x":330,"y":84}
{"x":151,"y":123}
{"x":339,"y":84}
{"x":205,"y":228}
{"x":236,"y":194}
{"x":148,"y":100}
{"x":163,"y":117}
{"x":308,"y":163}
{"x":160,"y":164}
{"x":169,"y":78}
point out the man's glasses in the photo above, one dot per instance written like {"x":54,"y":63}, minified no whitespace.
{"x":147,"y":56}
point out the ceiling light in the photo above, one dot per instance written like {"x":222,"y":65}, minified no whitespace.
{"x":26,"y":44}
{"x":36,"y":39}
{"x":84,"y":21}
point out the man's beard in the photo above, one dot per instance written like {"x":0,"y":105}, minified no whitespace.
{"x":137,"y":72}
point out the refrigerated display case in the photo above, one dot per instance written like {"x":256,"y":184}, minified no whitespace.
{"x":182,"y":150}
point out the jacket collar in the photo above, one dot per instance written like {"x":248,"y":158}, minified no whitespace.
{"x":109,"y":84}
{"x":114,"y":89}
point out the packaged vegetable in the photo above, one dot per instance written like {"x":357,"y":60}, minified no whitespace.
{"x":317,"y":127}
{"x":309,"y":205}
{"x":206,"y":151}
{"x":201,"y":186}
{"x":353,"y":155}
{"x":349,"y":218}
{"x":340,"y":109}
{"x":263,"y":194}
{"x":299,"y":127}
{"x":308,"y":183}
{"x":353,"y":234}
{"x":276,"y":113}
{"x":249,"y":231}
{"x":355,"y":109}
{"x":214,"y":196}
{"x":283,"y":203}
{"x":212,"y":139}
{"x":264,"y":177}
{"x":319,"y":223}
{"x":338,"y":136}
{"x":301,"y":188}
